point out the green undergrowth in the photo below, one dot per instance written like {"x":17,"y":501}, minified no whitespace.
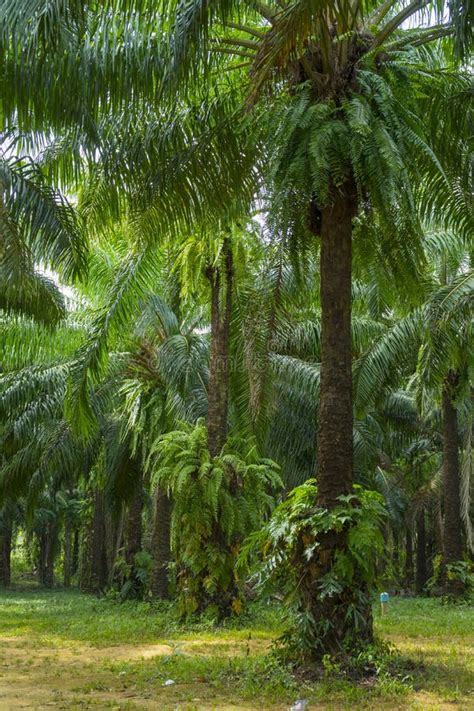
{"x":424,"y":659}
{"x":251,"y":677}
{"x":430,"y":617}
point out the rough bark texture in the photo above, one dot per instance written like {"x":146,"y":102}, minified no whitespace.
{"x":94,"y":568}
{"x":221,"y":310}
{"x":75,"y":552}
{"x":438,"y":529}
{"x":452,"y":528}
{"x":67,"y":547}
{"x":160,"y":545}
{"x":335,"y":446}
{"x":421,"y":567}
{"x":47,"y":550}
{"x":99,"y":573}
{"x":114,"y":540}
{"x":335,"y":433}
{"x":6,"y":532}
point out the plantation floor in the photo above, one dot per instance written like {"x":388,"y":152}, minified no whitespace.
{"x":65,"y":650}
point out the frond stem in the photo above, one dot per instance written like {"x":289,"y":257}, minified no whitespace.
{"x":246,"y":29}
{"x":395,"y":22}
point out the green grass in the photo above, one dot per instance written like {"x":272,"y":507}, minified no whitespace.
{"x":429,"y":617}
{"x":71,"y":615}
{"x":105,"y":654}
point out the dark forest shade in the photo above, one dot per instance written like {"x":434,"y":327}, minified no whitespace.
{"x":68,"y":541}
{"x":133,"y":522}
{"x":409,"y":566}
{"x":6,"y":533}
{"x":421,"y":563}
{"x":48,"y":541}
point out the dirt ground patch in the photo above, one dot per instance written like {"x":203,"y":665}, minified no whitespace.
{"x":41,"y":676}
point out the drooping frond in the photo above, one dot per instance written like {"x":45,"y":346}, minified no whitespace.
{"x":379,"y":364}
{"x":132,"y":279}
{"x":40,"y":218}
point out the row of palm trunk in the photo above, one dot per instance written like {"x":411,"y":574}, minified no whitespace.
{"x":111,"y":536}
{"x":91,"y":548}
{"x":107,"y":534}
{"x":418,"y":553}
{"x":335,"y":436}
{"x":335,"y":418}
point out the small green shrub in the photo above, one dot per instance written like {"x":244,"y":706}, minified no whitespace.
{"x":461,"y":572}
{"x":460,"y":577}
{"x":136,"y":577}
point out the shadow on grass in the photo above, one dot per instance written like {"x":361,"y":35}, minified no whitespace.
{"x":451,"y":679}
{"x":430,"y":660}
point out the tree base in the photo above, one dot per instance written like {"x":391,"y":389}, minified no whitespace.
{"x":332,"y":627}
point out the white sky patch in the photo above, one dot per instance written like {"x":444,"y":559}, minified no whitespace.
{"x":426,"y":18}
{"x":74,"y":300}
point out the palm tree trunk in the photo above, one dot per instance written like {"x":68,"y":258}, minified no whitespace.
{"x":218,"y":395}
{"x":67,"y":547}
{"x":6,"y":534}
{"x":452,"y":529}
{"x":409,"y":567}
{"x":47,"y":542}
{"x":94,"y":567}
{"x":42,"y":541}
{"x":430,"y":548}
{"x":439,"y":529}
{"x":396,"y":555}
{"x":160,"y":545}
{"x":133,"y":523}
{"x":335,"y":444}
{"x":114,"y":525}
{"x":99,"y":571}
{"x":421,"y":567}
{"x":335,"y":431}
{"x":75,"y":551}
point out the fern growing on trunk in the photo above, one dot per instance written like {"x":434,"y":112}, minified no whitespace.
{"x":217,"y":501}
{"x":329,"y":601}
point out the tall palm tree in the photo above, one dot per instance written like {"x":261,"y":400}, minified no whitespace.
{"x":446,"y":363}
{"x":342,"y":83}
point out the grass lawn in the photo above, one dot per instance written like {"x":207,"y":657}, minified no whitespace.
{"x":66,"y":650}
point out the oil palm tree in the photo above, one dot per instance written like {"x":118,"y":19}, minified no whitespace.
{"x":446,"y":363}
{"x":161,"y":367}
{"x":351,"y":136}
